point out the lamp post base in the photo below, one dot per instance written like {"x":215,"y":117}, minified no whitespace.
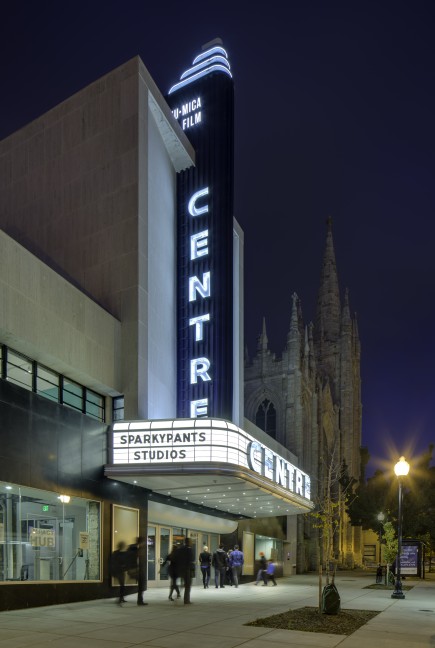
{"x":398,"y":593}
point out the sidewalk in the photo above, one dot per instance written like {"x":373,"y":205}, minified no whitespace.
{"x":217,"y":617}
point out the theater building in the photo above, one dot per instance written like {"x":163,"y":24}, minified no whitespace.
{"x":121,"y":337}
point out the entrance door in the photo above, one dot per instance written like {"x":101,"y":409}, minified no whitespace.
{"x":159,"y":546}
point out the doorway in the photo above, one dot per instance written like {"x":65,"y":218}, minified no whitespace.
{"x":161,"y":539}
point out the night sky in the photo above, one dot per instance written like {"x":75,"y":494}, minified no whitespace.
{"x":335,"y":114}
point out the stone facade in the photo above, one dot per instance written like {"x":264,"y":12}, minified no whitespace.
{"x":89,"y":189}
{"x":309,"y":400}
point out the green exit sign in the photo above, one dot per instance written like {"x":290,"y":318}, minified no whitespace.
{"x":45,"y":507}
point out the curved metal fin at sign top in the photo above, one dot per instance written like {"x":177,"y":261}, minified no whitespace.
{"x":214,"y":59}
{"x":209,"y":52}
{"x":194,"y":77}
{"x":204,"y":64}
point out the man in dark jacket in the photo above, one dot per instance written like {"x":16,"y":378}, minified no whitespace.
{"x":184,"y":564}
{"x":136,"y":566}
{"x":236,"y":564}
{"x":220,"y":564}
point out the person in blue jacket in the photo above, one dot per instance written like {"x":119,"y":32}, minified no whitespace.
{"x":236,"y":564}
{"x":270,"y":572}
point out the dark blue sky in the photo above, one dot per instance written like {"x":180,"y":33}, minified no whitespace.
{"x":335,"y":115}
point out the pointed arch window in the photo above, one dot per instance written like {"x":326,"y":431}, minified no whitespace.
{"x":265,"y":417}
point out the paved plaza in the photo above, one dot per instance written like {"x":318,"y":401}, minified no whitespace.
{"x":217,"y":617}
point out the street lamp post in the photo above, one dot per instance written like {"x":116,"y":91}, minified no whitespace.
{"x":381,"y":518}
{"x":401,"y":469}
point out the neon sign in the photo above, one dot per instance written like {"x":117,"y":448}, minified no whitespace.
{"x":282,"y":472}
{"x":205,"y":271}
{"x":201,"y":288}
{"x":190,"y":113}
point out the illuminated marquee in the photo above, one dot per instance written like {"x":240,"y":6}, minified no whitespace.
{"x":204,"y":441}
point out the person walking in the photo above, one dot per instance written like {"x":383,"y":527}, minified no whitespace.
{"x":118,"y":567}
{"x":229,"y":572}
{"x":205,"y":564}
{"x":220,"y":564}
{"x":172,"y":573}
{"x":270,"y":573}
{"x":379,"y":573}
{"x":236,"y":564}
{"x":185,"y":566}
{"x":141,"y":569}
{"x":136,"y":566}
{"x":261,"y":574}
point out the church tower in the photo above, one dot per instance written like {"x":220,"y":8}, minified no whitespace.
{"x":309,"y":399}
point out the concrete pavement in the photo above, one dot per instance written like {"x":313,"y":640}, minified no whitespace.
{"x":217,"y":617}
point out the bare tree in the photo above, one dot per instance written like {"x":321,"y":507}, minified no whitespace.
{"x":330,"y":508}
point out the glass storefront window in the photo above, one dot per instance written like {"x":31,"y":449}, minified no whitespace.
{"x":45,"y":536}
{"x":271,"y":547}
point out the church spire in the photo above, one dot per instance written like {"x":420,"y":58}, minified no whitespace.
{"x":294,"y":334}
{"x":263,"y":342}
{"x":346,"y":322}
{"x":328,"y":300}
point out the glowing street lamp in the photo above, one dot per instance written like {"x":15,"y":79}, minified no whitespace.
{"x":381,"y":518}
{"x":401,"y":469}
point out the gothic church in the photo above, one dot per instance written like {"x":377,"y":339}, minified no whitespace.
{"x":309,"y":400}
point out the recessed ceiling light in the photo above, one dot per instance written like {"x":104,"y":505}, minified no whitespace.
{"x":8,"y":487}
